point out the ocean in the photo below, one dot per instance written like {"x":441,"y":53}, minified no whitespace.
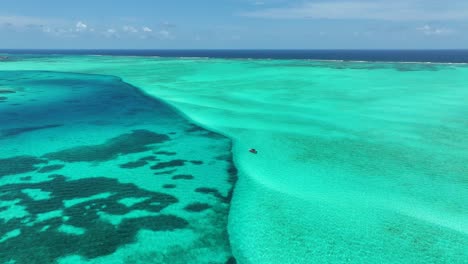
{"x":446,"y":56}
{"x":143,"y":156}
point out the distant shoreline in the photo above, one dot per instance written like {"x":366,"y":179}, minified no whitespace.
{"x":407,"y":56}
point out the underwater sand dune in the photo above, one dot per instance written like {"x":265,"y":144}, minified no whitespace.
{"x":356,"y":163}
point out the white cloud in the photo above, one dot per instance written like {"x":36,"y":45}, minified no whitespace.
{"x":129,"y":29}
{"x":47,"y":30}
{"x":166,"y":24}
{"x":147,"y":29}
{"x":23,"y":21}
{"x":52,"y":27}
{"x":67,"y":28}
{"x":80,"y":26}
{"x":165,"y":34}
{"x":397,"y":10}
{"x":60,"y":32}
{"x":430,"y":30}
{"x":110,"y":32}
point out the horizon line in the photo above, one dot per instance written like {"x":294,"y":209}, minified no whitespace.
{"x":249,"y":49}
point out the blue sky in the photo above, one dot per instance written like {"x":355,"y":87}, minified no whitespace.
{"x":241,"y":24}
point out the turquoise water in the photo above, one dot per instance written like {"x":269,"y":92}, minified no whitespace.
{"x":357,"y":162}
{"x":93,"y":171}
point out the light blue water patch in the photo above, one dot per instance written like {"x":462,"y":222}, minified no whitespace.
{"x":92,"y":169}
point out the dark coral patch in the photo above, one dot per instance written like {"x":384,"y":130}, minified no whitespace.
{"x":154,"y":223}
{"x":224,"y":157}
{"x":215,"y":193}
{"x":195,"y":128}
{"x":169,"y":164}
{"x":61,"y":189}
{"x":3,"y":91}
{"x":165,"y":172}
{"x":206,"y":190}
{"x":19,"y":164}
{"x":20,"y":130}
{"x":169,"y":186}
{"x":3,"y":98}
{"x":212,"y":135}
{"x":196,"y":162}
{"x":43,"y":242}
{"x":167,"y":153}
{"x":199,"y":130}
{"x":133,"y":164}
{"x":50,"y":168}
{"x":101,"y":239}
{"x":133,"y":142}
{"x":197,"y":207}
{"x":183,"y":177}
{"x":231,"y":260}
{"x":232,"y":170}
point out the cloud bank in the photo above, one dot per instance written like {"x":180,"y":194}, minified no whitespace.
{"x":434,"y":31}
{"x":409,"y":10}
{"x":70,"y":29}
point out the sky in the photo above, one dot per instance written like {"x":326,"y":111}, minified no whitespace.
{"x":234,"y":24}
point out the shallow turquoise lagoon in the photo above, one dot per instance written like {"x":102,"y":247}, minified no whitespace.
{"x":357,"y":162}
{"x":94,"y":171}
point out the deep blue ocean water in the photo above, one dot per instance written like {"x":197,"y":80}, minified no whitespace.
{"x":443,"y":56}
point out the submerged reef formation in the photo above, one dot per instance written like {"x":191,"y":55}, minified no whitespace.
{"x":78,"y":183}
